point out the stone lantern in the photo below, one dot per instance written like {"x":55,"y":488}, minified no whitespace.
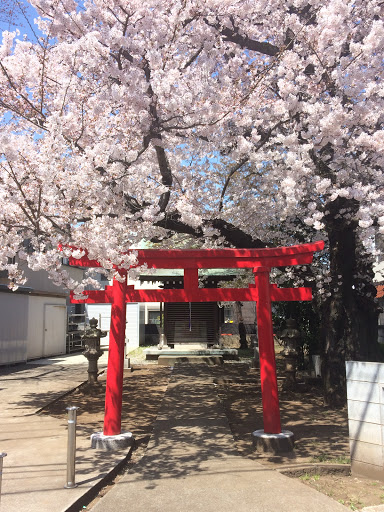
{"x":291,"y":337}
{"x":92,"y":350}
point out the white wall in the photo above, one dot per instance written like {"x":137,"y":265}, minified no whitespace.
{"x":39,"y":280}
{"x":103,"y":312}
{"x":137,"y":316}
{"x":132,"y":330}
{"x":142,"y":321}
{"x":378,"y":269}
{"x":365,"y":394}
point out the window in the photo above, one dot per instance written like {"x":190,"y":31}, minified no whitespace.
{"x":228,"y":314}
{"x":154,"y":317}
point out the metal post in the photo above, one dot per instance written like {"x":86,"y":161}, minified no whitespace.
{"x":2,"y":455}
{"x":71,"y":450}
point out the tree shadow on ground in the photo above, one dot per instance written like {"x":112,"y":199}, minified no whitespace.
{"x":143,"y":391}
{"x":191,"y":434}
{"x":320,"y":432}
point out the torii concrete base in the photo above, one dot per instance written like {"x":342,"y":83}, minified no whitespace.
{"x":111,"y":443}
{"x":273,"y":443}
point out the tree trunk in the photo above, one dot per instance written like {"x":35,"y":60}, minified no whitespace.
{"x":349,"y":317}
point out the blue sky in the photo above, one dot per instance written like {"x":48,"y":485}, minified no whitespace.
{"x":18,"y":21}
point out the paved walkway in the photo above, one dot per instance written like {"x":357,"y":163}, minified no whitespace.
{"x":191,"y":464}
{"x":34,"y":471}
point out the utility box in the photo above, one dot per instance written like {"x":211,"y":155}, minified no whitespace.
{"x":365,"y":394}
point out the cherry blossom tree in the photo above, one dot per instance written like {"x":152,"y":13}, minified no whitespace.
{"x":8,"y":9}
{"x":235,"y":123}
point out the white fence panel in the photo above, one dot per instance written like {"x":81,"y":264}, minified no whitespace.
{"x":102,"y":313}
{"x":365,"y":414}
{"x":132,"y":332}
{"x":13,"y":327}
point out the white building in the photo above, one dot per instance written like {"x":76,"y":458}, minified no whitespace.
{"x":33,"y":319}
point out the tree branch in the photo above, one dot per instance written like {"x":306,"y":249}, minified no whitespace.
{"x":233,"y":236}
{"x":155,"y":133}
{"x":232,"y":171}
{"x":244,"y":41}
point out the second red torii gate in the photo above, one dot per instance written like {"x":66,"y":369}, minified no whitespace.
{"x":262,"y":292}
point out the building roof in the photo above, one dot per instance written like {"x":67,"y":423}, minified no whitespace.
{"x":380,"y":291}
{"x":220,"y":274}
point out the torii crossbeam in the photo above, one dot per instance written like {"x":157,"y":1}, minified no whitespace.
{"x":262,"y":292}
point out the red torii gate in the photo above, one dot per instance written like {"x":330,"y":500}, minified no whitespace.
{"x":262,"y":292}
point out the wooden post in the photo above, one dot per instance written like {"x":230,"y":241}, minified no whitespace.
{"x":114,"y":387}
{"x":269,"y":391}
{"x":191,"y":279}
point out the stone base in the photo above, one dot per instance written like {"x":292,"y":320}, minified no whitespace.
{"x":127,"y":364}
{"x":190,"y":346}
{"x":70,"y":485}
{"x":172,"y":360}
{"x":273,"y":443}
{"x":111,"y":443}
{"x":154,"y":353}
{"x":91,"y":388}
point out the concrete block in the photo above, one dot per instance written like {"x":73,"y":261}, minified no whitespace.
{"x":363,"y":411}
{"x":112,"y":443}
{"x":190,"y":346}
{"x":363,"y":391}
{"x":364,"y":431}
{"x":365,"y":371}
{"x":172,"y":360}
{"x":226,"y":353}
{"x":366,"y":452}
{"x":366,"y":470}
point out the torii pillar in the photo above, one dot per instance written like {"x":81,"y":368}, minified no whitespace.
{"x":114,"y":387}
{"x":271,"y":438}
{"x":112,"y":438}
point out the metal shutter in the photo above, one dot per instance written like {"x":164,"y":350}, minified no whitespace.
{"x":204,"y":319}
